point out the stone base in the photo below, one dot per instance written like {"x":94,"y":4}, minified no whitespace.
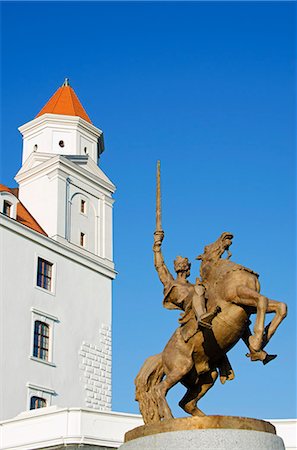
{"x":205,"y":433}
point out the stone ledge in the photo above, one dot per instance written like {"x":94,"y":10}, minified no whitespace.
{"x":207,"y":439}
{"x":201,"y":423}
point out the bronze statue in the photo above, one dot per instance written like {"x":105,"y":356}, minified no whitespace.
{"x":215,"y":317}
{"x":180,"y":294}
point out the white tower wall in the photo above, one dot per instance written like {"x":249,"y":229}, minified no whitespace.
{"x":47,"y":133}
{"x":52,"y":188}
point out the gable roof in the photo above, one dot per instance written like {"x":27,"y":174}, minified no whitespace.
{"x":22,"y":214}
{"x":65,"y":101}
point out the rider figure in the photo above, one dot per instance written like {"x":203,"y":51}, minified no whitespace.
{"x":180,"y":294}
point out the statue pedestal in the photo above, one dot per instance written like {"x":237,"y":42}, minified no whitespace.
{"x":205,"y":433}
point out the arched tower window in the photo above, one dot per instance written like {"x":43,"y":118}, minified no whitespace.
{"x":37,"y":402}
{"x":41,"y":340}
{"x":83,"y":206}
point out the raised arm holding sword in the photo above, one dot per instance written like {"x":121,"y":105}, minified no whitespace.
{"x":179,"y":293}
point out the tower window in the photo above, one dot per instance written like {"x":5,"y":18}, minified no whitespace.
{"x":44,"y":274}
{"x":85,"y":150}
{"x":41,"y":340}
{"x":37,"y":402}
{"x":83,"y":206}
{"x":82,"y":239}
{"x":35,"y":148}
{"x":7,"y":208}
{"x":61,"y":144}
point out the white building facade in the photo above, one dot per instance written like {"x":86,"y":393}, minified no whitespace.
{"x":57,"y":273}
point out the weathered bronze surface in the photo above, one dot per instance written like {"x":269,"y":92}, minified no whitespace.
{"x":201,"y":423}
{"x":215,"y":316}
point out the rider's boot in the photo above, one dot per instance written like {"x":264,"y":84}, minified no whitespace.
{"x":203,"y":324}
{"x":260,"y":355}
{"x":206,"y":318}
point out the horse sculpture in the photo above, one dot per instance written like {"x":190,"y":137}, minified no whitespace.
{"x":195,"y":363}
{"x":196,"y":358}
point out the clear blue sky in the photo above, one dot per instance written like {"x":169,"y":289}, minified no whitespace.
{"x":208,"y":88}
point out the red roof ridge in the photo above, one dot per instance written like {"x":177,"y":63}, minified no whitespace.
{"x":58,"y":92}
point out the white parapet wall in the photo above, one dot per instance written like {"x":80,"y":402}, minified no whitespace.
{"x":287,"y":430}
{"x":53,"y":426}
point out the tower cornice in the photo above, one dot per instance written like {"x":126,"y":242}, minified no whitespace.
{"x":60,"y":120}
{"x":49,"y":163}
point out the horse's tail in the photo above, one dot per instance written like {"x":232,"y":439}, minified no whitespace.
{"x":150,"y":374}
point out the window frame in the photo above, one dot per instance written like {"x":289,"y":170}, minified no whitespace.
{"x":34,"y":390}
{"x":37,"y":399}
{"x":50,"y":321}
{"x":53,"y":275}
{"x":44,"y":274}
{"x":10,"y":198}
{"x":83,"y":207}
{"x":82,"y":239}
{"x":8,"y":204}
{"x":41,"y":339}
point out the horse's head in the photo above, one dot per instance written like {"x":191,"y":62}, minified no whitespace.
{"x":213,"y":252}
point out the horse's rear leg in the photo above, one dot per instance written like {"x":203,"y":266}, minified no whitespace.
{"x":280,"y":310}
{"x":249,"y":297}
{"x":170,"y":380}
{"x":189,"y":402}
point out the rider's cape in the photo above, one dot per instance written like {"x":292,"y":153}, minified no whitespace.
{"x":182,"y":301}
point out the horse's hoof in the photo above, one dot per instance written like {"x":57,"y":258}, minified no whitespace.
{"x":195,"y":412}
{"x":268,"y":359}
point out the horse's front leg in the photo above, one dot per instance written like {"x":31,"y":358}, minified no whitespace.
{"x":248,"y":297}
{"x":196,"y":391}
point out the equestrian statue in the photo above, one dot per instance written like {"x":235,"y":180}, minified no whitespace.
{"x":215,"y":316}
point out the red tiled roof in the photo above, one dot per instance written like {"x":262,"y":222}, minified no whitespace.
{"x":22,"y":214}
{"x":65,"y":101}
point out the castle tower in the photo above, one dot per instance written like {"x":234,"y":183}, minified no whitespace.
{"x":57,"y":265}
{"x":61,"y":148}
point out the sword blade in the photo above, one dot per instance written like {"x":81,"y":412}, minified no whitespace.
{"x":158,"y":199}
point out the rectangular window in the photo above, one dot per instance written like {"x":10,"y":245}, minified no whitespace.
{"x":37,"y":402}
{"x":82,"y":239}
{"x":44,"y":274}
{"x":43,"y":330}
{"x":7,"y":208}
{"x":41,"y":340}
{"x":83,"y":206}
